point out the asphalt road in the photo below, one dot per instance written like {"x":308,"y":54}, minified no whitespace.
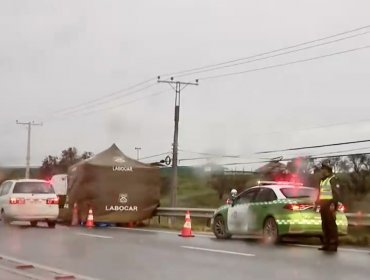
{"x":116,"y":253}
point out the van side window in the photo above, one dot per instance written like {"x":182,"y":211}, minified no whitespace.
{"x":5,"y":188}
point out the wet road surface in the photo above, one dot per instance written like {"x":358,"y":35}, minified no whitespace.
{"x":117,"y":253}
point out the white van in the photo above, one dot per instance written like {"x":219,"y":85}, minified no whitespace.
{"x":60,"y":184}
{"x":28,"y":200}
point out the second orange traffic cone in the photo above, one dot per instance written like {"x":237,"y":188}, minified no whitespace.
{"x":186,"y":229}
{"x":90,"y":219}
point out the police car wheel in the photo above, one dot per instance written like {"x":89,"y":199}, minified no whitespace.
{"x":219,"y":228}
{"x":270,"y":231}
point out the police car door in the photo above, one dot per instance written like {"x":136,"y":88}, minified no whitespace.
{"x":237,"y":216}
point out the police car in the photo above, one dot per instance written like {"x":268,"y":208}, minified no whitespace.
{"x":273,"y":210}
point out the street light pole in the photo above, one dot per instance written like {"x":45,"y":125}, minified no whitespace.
{"x":28,"y":157}
{"x":137,"y":152}
{"x":177,"y":86}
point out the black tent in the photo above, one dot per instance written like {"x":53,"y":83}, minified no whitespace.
{"x":117,"y":188}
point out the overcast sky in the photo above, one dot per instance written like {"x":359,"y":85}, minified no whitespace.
{"x":55,"y":55}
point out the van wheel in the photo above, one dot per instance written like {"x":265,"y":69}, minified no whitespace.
{"x":33,"y":223}
{"x":51,"y":224}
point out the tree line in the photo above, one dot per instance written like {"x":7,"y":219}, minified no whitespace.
{"x":52,"y":165}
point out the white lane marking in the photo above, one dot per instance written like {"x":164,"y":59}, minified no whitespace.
{"x":218,"y":251}
{"x":340,"y":249}
{"x":48,"y":268}
{"x":94,"y":235}
{"x":160,"y":231}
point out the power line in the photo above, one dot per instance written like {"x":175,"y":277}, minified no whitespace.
{"x":101,"y":103}
{"x":126,"y":103}
{"x":83,"y":114}
{"x":247,"y":163}
{"x":114,"y":93}
{"x":332,"y":153}
{"x":310,"y":128}
{"x":208,"y":154}
{"x":275,"y":55}
{"x":269,"y":52}
{"x":93,"y":102}
{"x":326,"y":156}
{"x":157,"y":155}
{"x":293,"y":158}
{"x":285,"y":64}
{"x":342,"y":155}
{"x":314,"y":147}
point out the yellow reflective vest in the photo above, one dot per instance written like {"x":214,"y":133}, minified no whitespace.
{"x":325,"y":189}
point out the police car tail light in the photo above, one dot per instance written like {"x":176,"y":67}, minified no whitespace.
{"x":297,"y":206}
{"x":17,"y":200}
{"x":52,"y":201}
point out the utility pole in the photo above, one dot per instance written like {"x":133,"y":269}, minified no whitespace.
{"x":28,"y":157}
{"x":137,"y":152}
{"x":177,"y":86}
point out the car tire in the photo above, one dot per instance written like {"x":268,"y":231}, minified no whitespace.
{"x":51,"y":224}
{"x":33,"y":223}
{"x":219,"y":228}
{"x":270,"y":231}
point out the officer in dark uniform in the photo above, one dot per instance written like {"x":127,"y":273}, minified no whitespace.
{"x":329,"y":197}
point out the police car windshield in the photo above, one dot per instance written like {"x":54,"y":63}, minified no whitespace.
{"x":33,"y":187}
{"x":299,"y":193}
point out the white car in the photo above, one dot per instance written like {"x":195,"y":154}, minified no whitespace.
{"x":28,"y":200}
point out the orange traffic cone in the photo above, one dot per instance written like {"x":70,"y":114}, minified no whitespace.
{"x":186,"y":229}
{"x":90,"y":219}
{"x":74,"y":215}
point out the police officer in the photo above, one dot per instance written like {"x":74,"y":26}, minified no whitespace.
{"x":233,"y":195}
{"x":328,"y":199}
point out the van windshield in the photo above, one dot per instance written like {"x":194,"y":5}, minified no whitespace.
{"x":33,"y":187}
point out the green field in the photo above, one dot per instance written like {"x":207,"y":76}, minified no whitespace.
{"x":193,"y":193}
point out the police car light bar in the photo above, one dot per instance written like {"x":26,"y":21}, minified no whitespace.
{"x":261,"y":183}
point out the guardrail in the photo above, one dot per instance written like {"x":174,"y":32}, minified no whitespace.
{"x":358,"y":219}
{"x":180,"y":212}
{"x":354,"y":219}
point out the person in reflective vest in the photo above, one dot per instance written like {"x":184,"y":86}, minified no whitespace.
{"x":329,"y":196}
